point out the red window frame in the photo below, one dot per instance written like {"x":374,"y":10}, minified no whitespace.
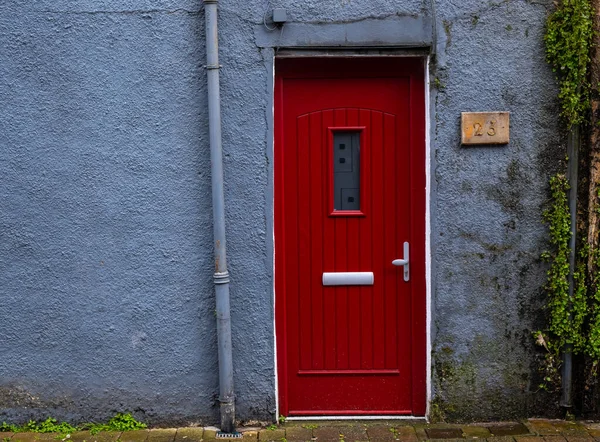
{"x":362,"y":173}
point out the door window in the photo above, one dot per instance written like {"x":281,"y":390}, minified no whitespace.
{"x":346,"y":170}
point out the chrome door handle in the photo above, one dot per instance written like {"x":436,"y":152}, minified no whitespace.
{"x":404,"y":262}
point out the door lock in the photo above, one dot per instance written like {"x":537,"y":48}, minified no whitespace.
{"x":404,"y":262}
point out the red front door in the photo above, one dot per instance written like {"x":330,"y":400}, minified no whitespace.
{"x":350,"y":200}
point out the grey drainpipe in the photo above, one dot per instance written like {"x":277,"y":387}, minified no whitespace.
{"x":221,"y":275}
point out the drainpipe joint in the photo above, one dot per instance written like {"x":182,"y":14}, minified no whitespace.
{"x":227,"y":400}
{"x":221,"y":277}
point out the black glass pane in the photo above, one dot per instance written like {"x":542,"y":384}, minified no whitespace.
{"x":346,"y":171}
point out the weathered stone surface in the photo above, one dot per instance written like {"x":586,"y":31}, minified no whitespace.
{"x":190,"y":434}
{"x":380,"y":432}
{"x":445,"y":440}
{"x":23,"y":437}
{"x":328,"y":434}
{"x":475,"y":432}
{"x":134,"y":436}
{"x":529,"y":438}
{"x":353,"y":433}
{"x":271,"y":435}
{"x":404,"y":433}
{"x":383,"y":433}
{"x":79,"y":436}
{"x":391,"y":433}
{"x":594,"y":432}
{"x":444,"y":433}
{"x":572,"y":429}
{"x":250,"y":435}
{"x":298,"y":434}
{"x":210,"y":433}
{"x":420,"y":431}
{"x":501,"y":439}
{"x":508,"y":429}
{"x":543,"y":427}
{"x":580,"y":438}
{"x":34,"y":437}
{"x":162,"y":435}
{"x":103,"y":436}
{"x":106,"y":436}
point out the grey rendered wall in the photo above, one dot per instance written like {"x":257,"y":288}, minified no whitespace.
{"x":106,"y":239}
{"x":487,"y":232}
{"x":105,"y":235}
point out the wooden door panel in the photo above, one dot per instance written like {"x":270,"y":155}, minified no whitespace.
{"x":349,"y":349}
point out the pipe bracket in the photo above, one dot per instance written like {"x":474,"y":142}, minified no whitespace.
{"x":221,"y":277}
{"x":210,"y":67}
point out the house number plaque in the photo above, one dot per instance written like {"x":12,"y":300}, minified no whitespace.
{"x":485,"y":128}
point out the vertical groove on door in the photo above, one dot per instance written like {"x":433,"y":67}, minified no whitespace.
{"x":329,"y":264}
{"x":348,"y":290}
{"x":324,"y":203}
{"x":290,"y":164}
{"x":308,"y":221}
{"x":366,"y":300}
{"x":404,"y":126}
{"x":304,"y":294}
{"x":348,"y":327}
{"x":399,"y":245}
{"x":316,"y":239}
{"x":371,"y":294}
{"x":341,"y":251}
{"x":390,"y":241}
{"x":377,"y":161}
{"x":297,"y":203}
{"x":386,"y":243}
{"x":353,"y":265}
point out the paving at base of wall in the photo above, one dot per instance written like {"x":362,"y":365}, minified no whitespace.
{"x":532,"y":430}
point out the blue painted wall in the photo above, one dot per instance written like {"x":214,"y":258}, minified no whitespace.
{"x":105,"y":213}
{"x":487,"y":230}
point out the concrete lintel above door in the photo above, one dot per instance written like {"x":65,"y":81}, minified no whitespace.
{"x":406,"y":31}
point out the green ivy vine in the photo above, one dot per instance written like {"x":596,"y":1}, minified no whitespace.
{"x":572,"y":320}
{"x":568,"y":40}
{"x":557,"y":286}
{"x":575,"y":319}
{"x":119,"y":422}
{"x":593,"y":344}
{"x":567,"y":315}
